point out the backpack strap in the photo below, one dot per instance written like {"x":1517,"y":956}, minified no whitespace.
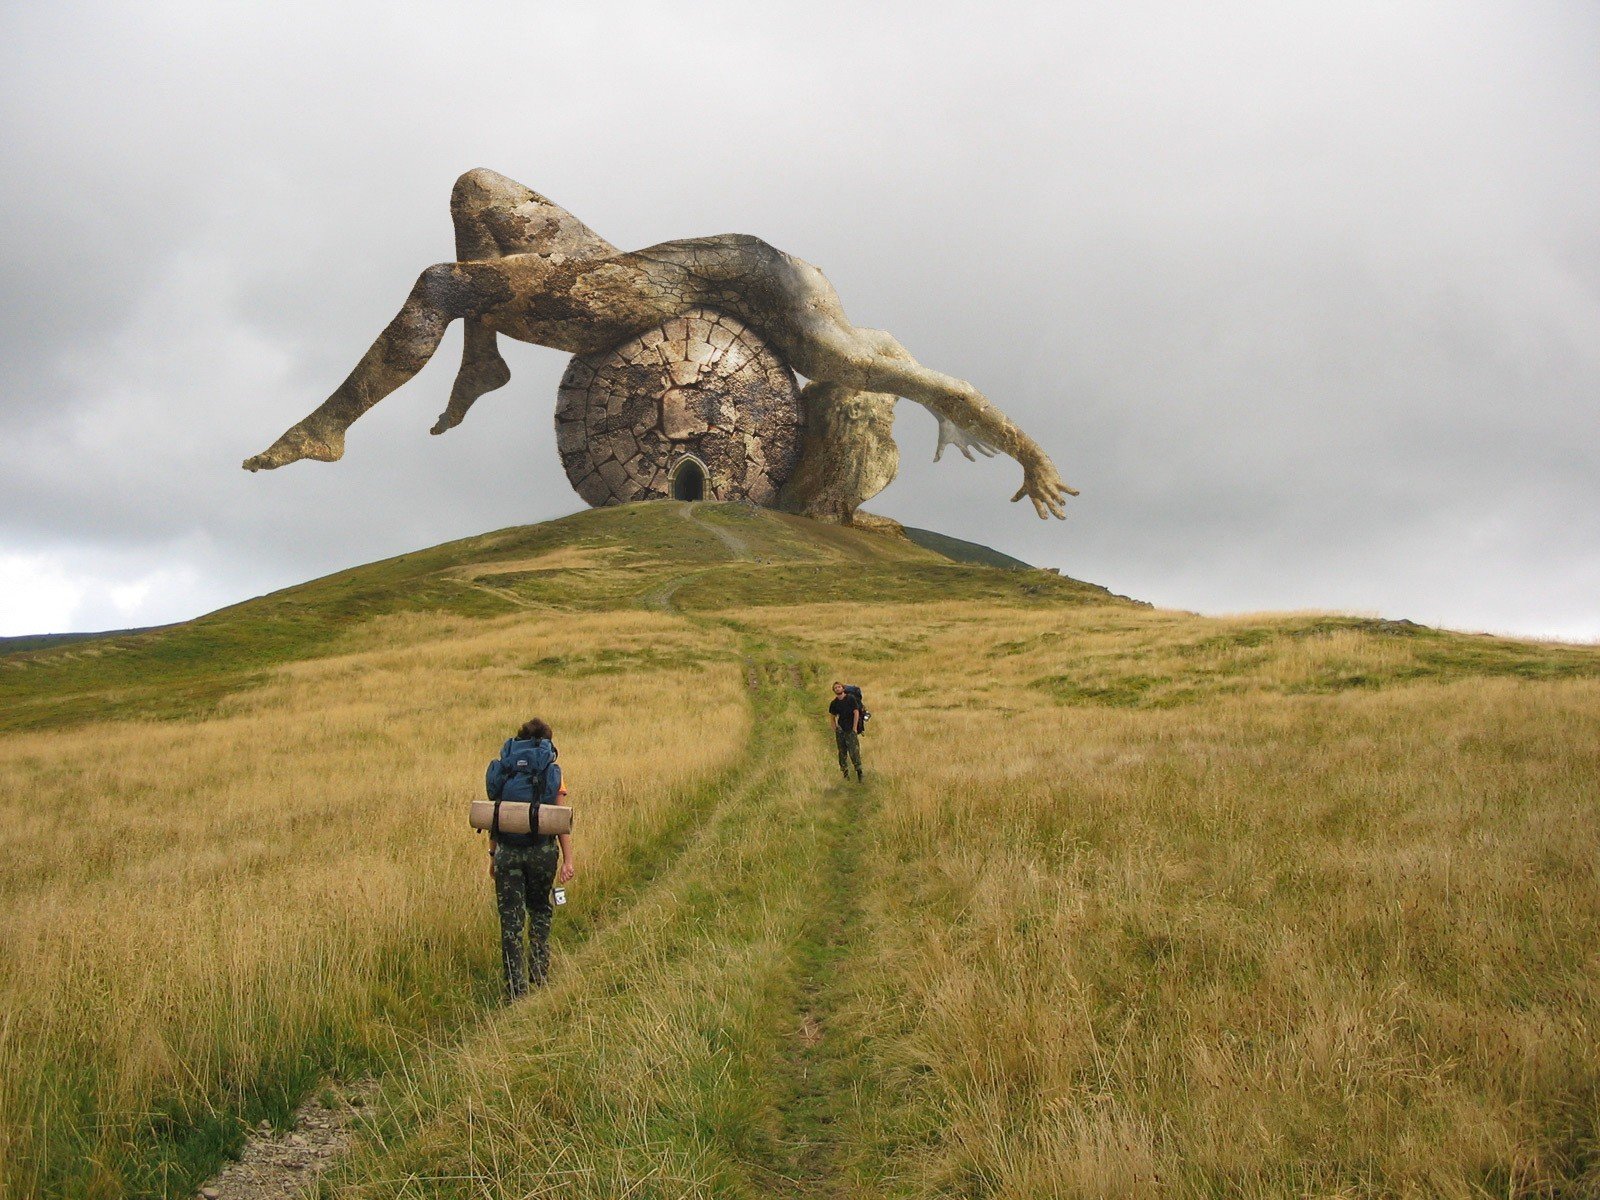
{"x":494,"y":823}
{"x":538,"y":800}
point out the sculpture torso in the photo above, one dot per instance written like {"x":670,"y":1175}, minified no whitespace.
{"x":591,"y":303}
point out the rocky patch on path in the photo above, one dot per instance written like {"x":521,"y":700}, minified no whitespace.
{"x":279,"y":1166}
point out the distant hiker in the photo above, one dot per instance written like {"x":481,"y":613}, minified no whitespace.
{"x":847,"y":712}
{"x":524,"y":865}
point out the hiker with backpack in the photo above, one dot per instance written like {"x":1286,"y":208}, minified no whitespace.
{"x":849,"y":716}
{"x":525,"y":866}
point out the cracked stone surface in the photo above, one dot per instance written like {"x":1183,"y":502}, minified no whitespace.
{"x":527,"y":269}
{"x":847,"y":455}
{"x":700,"y":384}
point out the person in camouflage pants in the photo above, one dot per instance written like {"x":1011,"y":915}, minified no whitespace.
{"x":523,"y":877}
{"x":845,"y":713}
{"x":525,"y":866}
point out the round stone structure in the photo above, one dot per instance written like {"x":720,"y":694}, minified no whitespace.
{"x":699,"y":408}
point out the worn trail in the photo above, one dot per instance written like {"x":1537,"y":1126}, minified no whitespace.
{"x":688,"y":1044}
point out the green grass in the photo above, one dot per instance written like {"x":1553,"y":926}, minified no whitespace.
{"x":1163,"y":670}
{"x":184,"y":670}
{"x":748,"y":585}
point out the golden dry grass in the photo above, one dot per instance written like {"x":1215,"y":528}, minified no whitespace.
{"x":191,"y":908}
{"x":1135,"y":903}
{"x":1248,"y":943}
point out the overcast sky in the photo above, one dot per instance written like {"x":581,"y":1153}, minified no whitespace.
{"x":1304,"y":297}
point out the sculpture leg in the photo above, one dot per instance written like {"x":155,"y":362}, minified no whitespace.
{"x":848,"y":455}
{"x":482,"y":371}
{"x":442,"y":294}
{"x":495,"y":216}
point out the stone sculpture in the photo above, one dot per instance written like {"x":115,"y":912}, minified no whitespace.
{"x":700,"y":394}
{"x":529,"y":269}
{"x":848,"y":456}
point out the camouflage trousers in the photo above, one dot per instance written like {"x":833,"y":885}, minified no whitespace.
{"x":523,"y":876}
{"x":849,"y":745}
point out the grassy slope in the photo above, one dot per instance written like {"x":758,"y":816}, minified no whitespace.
{"x":185,"y":669}
{"x":939,"y":986}
{"x":957,"y":550}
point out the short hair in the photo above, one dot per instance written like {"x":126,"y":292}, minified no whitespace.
{"x":535,"y":730}
{"x":836,"y":683}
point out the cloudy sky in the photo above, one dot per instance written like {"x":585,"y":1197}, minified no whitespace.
{"x":1304,"y":297}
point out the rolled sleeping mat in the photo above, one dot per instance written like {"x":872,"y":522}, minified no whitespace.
{"x":514,"y":817}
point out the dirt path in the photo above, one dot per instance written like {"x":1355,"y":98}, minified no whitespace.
{"x":737,"y":546}
{"x":663,"y":597}
{"x":276,"y":1166}
{"x":772,"y":843}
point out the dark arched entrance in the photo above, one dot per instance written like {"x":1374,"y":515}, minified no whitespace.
{"x":689,"y":481}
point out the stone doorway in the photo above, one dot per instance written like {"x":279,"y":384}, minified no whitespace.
{"x":689,"y":480}
{"x":701,"y":385}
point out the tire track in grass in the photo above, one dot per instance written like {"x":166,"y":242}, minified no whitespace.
{"x":814,"y":1068}
{"x":687,"y":1047}
{"x":646,"y":1067}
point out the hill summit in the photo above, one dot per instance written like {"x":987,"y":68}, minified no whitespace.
{"x":596,"y":560}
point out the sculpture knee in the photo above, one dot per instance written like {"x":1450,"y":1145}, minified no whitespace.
{"x":475,"y":184}
{"x":884,"y":345}
{"x":451,"y":289}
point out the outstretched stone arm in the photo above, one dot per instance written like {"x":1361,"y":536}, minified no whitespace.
{"x":872,"y":360}
{"x":980,"y":421}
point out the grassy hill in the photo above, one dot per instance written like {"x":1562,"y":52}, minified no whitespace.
{"x":958,"y":550}
{"x":1133,"y":903}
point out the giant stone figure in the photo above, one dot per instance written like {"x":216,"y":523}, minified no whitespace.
{"x":683,"y":381}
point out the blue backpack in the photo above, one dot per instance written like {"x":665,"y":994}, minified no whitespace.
{"x":526,"y":772}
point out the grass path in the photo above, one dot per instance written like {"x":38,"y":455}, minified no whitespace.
{"x":686,"y":1047}
{"x":675,"y":1053}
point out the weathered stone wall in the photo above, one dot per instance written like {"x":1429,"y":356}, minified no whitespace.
{"x":847,"y":456}
{"x":702,"y":384}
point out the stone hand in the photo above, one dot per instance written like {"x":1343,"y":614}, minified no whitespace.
{"x":1042,"y":484}
{"x":951,"y":434}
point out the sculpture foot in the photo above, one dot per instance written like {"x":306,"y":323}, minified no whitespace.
{"x":472,"y":383}
{"x":320,"y":441}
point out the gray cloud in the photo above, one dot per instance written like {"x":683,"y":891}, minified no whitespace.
{"x":1305,"y":298}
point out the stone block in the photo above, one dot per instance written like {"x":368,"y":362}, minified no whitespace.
{"x":727,"y":399}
